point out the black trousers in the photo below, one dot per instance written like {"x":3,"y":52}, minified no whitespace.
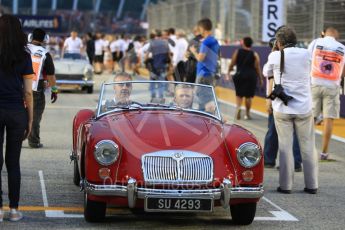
{"x":39,"y":103}
{"x":15,"y":123}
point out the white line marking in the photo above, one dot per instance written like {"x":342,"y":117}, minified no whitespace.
{"x":280,"y":215}
{"x":43,"y":188}
{"x":61,"y":214}
{"x":334,"y":137}
{"x":53,"y":213}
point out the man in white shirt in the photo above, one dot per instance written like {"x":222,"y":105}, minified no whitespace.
{"x":100,"y":46}
{"x":290,"y":68}
{"x":327,"y":68}
{"x":118,"y":48}
{"x":179,"y":53}
{"x":72,"y":46}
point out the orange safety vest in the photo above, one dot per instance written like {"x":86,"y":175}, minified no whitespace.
{"x":38,"y":56}
{"x":327,"y":63}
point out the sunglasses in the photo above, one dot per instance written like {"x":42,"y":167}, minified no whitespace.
{"x":128,"y":84}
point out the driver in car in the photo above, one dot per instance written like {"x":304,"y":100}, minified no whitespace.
{"x":122,"y":92}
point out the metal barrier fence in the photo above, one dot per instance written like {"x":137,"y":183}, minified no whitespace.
{"x":234,"y":19}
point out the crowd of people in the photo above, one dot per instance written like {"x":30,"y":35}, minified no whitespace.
{"x":301,"y":84}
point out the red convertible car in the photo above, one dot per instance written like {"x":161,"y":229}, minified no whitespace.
{"x":163,"y":147}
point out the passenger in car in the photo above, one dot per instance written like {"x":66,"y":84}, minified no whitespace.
{"x":184,"y":96}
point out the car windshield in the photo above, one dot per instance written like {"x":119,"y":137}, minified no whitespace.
{"x":128,"y":95}
{"x":74,"y":56}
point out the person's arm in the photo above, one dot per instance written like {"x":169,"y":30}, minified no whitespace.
{"x":49,"y":69}
{"x":82,"y":46}
{"x":28,"y":99}
{"x":64,"y":47}
{"x":268,"y":73}
{"x":233,"y":61}
{"x":198,"y":56}
{"x":258,"y":69}
{"x":269,"y":91}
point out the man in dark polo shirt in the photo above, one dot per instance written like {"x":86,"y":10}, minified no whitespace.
{"x":44,"y":69}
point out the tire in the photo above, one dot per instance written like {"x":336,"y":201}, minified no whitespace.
{"x":94,"y":211}
{"x":89,"y":89}
{"x":76,"y":175}
{"x":243,"y":214}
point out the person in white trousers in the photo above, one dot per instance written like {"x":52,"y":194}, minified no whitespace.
{"x":290,"y":67}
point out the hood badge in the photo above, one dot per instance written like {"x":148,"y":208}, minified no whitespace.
{"x":178,"y":155}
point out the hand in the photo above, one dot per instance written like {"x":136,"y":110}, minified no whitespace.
{"x":210,"y":107}
{"x":28,"y":130}
{"x":192,"y":49}
{"x":269,"y":106}
{"x":53,"y":97}
{"x":227,"y":77}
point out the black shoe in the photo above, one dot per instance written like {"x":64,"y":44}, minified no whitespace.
{"x":269,"y":166}
{"x":298,"y":169}
{"x":36,"y":146}
{"x":310,"y":190}
{"x":283,"y":191}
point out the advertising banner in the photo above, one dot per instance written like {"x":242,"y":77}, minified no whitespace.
{"x":273,"y":17}
{"x":47,"y":23}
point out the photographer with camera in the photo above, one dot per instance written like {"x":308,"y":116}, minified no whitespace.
{"x":290,"y":94}
{"x":271,"y":137}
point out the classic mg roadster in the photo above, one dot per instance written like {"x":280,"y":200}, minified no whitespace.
{"x":73,"y":71}
{"x":163,"y":147}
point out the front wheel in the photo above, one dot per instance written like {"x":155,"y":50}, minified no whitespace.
{"x":243,"y":214}
{"x":89,"y":89}
{"x":94,"y":211}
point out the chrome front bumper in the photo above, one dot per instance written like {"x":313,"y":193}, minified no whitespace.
{"x":75,"y":82}
{"x":132,"y":192}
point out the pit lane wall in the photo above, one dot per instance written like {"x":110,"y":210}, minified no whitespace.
{"x":263,"y":52}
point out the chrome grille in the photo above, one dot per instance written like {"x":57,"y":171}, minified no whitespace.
{"x":177,"y":167}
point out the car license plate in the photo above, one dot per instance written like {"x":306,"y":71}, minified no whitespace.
{"x":163,"y":204}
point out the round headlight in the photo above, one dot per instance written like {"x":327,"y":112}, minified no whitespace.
{"x":248,"y":154}
{"x":106,"y":152}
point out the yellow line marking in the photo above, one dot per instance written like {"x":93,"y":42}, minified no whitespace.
{"x":42,"y":208}
{"x":66,"y":209}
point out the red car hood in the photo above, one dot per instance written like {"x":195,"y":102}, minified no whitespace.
{"x":142,"y":132}
{"x":149,"y":131}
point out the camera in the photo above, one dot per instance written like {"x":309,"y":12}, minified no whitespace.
{"x":278,"y":92}
{"x":273,"y":44}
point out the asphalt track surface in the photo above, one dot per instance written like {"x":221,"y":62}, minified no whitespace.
{"x":49,"y":200}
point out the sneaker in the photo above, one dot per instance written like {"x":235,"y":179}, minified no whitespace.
{"x":36,"y":146}
{"x":324,"y":156}
{"x":247,"y":117}
{"x":15,"y":215}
